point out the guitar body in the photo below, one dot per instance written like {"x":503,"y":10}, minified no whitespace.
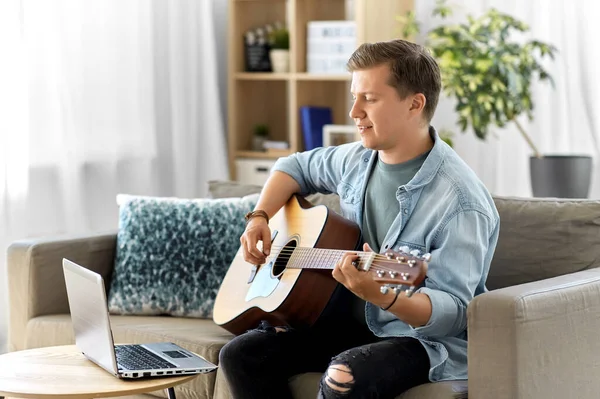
{"x":285,"y":296}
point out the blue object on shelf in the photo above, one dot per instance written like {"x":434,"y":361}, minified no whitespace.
{"x":313,"y":119}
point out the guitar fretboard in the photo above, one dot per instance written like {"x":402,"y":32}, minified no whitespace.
{"x":313,"y":258}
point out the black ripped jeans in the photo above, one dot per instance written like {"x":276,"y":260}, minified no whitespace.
{"x":258,"y":364}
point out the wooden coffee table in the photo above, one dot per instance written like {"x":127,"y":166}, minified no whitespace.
{"x":63,"y":372}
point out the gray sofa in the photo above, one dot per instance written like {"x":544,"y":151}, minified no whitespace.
{"x":534,"y":335}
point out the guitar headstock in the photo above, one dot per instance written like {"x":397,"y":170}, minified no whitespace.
{"x":395,"y":269}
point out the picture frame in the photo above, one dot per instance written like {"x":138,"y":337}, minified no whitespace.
{"x":339,"y":134}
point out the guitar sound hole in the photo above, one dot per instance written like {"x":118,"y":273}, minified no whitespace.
{"x":283,"y":258}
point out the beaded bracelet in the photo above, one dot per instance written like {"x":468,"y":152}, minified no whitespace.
{"x":393,"y":302}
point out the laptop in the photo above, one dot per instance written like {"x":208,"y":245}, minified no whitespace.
{"x":94,"y":337}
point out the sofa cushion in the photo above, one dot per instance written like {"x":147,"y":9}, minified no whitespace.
{"x":43,"y":331}
{"x":306,"y":386}
{"x":172,"y":253}
{"x":230,"y":189}
{"x":200,"y":336}
{"x":543,"y":238}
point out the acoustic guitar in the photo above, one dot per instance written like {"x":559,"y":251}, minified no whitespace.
{"x":295,"y":286}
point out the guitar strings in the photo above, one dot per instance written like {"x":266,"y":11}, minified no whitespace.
{"x":289,"y":250}
{"x":303,"y":251}
{"x":378,"y":260}
{"x":293,"y":248}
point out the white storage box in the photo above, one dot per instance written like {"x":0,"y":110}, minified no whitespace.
{"x":253,"y":171}
{"x":329,"y":45}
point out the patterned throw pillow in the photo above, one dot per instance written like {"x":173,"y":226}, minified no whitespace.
{"x":172,"y":253}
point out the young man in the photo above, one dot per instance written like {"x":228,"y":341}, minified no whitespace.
{"x":404,"y":187}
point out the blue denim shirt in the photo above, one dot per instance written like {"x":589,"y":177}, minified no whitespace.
{"x":444,"y":210}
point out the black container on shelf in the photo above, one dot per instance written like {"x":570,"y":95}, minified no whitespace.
{"x":257,"y":57}
{"x":256,"y":50}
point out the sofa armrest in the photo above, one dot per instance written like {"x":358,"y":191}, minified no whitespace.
{"x":536,"y":340}
{"x":36,"y":280}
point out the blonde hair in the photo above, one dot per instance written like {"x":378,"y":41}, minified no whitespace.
{"x":413,"y":69}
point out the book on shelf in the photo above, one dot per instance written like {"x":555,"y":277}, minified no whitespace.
{"x":313,"y":119}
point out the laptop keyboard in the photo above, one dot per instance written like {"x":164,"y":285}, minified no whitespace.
{"x":135,"y":357}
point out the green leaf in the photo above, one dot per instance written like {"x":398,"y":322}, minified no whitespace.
{"x":499,"y":104}
{"x":441,"y":9}
{"x":463,"y":123}
{"x":483,"y":64}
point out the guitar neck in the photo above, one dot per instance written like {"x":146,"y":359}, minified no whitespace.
{"x":318,"y":258}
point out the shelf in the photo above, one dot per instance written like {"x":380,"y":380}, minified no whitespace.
{"x":334,"y":94}
{"x":259,"y":102}
{"x":262,"y":154}
{"x":262,"y":76}
{"x":322,"y":76}
{"x":274,"y":99}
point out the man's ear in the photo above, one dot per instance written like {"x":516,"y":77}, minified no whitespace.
{"x":418,"y":103}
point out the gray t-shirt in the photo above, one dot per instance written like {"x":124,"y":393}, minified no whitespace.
{"x":381,"y":206}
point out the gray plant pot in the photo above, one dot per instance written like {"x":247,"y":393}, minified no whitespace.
{"x":561,"y":176}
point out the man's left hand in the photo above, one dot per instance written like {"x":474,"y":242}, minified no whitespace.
{"x":359,"y":282}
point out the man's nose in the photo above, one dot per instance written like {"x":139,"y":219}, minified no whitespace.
{"x":356,"y":112}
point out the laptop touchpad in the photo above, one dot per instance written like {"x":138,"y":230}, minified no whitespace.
{"x":175,"y":354}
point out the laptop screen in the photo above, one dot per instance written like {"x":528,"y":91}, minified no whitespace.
{"x":89,"y":315}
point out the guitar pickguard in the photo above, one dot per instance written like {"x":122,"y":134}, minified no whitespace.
{"x":264,"y":283}
{"x":255,"y":267}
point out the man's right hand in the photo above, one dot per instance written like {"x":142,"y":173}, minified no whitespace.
{"x":257,"y":230}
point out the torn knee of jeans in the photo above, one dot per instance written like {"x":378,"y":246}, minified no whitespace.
{"x":265,"y":326}
{"x":339,"y":377}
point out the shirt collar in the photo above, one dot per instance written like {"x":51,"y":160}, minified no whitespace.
{"x":432,"y":164}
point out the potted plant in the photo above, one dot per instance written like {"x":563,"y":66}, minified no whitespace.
{"x":259,"y":135}
{"x":490,"y":76}
{"x":279,"y":54}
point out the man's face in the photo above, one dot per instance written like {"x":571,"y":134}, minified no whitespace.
{"x":382,"y":117}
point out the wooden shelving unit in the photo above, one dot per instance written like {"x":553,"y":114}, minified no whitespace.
{"x":275,"y":98}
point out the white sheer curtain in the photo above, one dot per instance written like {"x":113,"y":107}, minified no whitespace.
{"x":98,"y":98}
{"x":567,"y":118}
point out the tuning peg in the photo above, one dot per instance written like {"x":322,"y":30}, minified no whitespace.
{"x":409,"y":292}
{"x":415,"y":252}
{"x":404,"y":249}
{"x":426,"y":257}
{"x":384,"y":289}
{"x":396,"y":289}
